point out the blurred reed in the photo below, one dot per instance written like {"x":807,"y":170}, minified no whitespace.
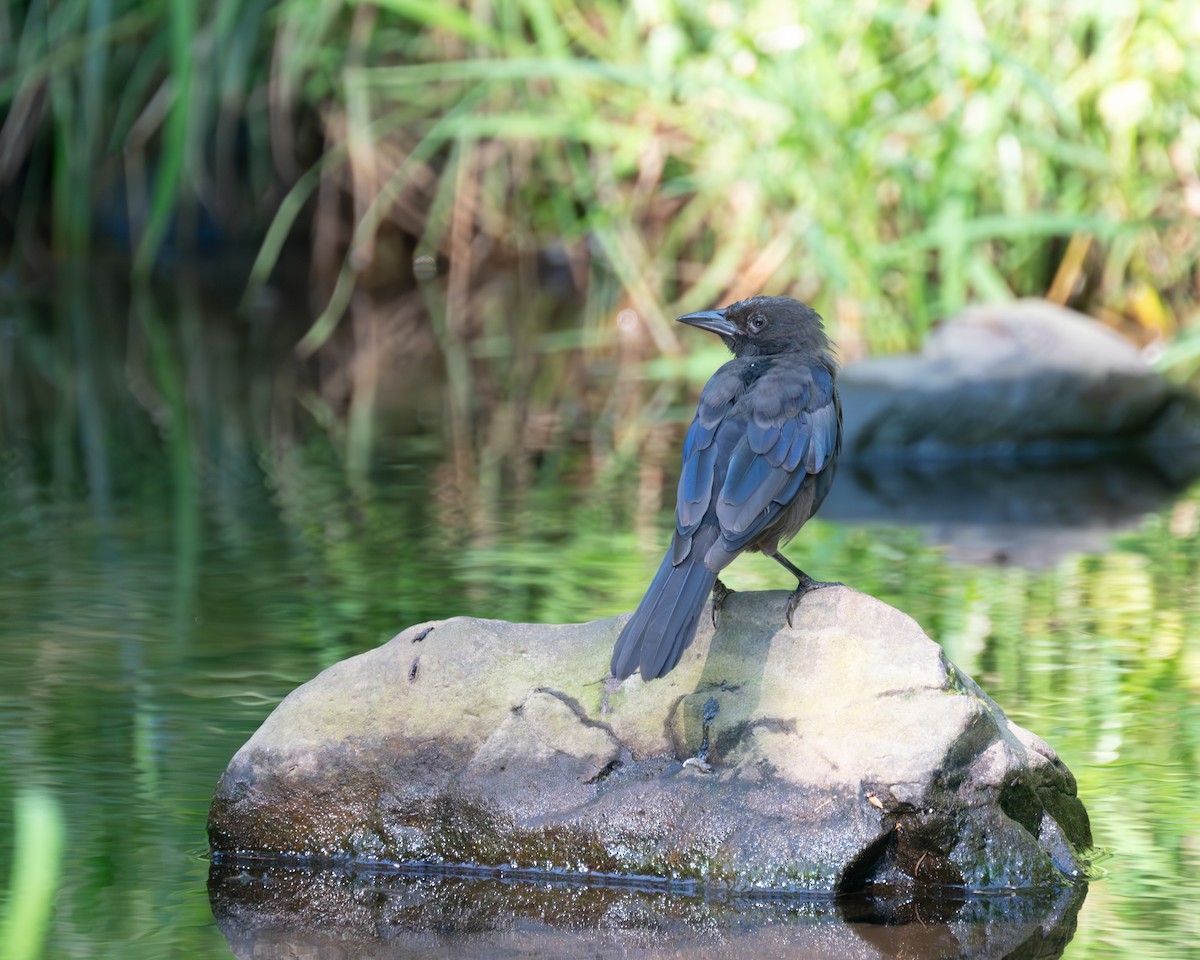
{"x":889,"y":161}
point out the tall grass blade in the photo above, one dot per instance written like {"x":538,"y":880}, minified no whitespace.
{"x":176,"y":145}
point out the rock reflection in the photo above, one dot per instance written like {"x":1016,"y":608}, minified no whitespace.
{"x":276,"y":910}
{"x":1026,"y":512}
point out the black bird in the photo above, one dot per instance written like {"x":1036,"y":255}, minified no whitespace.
{"x":758,"y":461}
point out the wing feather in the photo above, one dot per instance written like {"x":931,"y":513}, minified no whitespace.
{"x":791,"y":433}
{"x":698,"y":475}
{"x":695,"y":489}
{"x":750,"y":486}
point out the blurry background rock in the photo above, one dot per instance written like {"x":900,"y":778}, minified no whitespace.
{"x":1020,"y":433}
{"x":1021,"y":380}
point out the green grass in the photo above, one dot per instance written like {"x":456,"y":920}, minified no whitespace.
{"x":887,"y":161}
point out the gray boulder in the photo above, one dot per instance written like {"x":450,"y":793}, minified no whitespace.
{"x":840,"y":754}
{"x":1028,"y":375}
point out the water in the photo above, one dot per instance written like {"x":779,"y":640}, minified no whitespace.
{"x":184,"y":539}
{"x":271,"y":913}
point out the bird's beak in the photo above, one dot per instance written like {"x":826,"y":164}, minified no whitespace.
{"x":712,"y":320}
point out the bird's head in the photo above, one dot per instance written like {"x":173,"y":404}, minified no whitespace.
{"x":762,"y":326}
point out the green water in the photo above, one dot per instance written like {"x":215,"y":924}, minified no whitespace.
{"x":172,"y":563}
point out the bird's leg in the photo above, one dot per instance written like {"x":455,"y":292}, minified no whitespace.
{"x":804,"y":583}
{"x":720,"y":592}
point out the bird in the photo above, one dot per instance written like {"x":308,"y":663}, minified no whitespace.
{"x":758,"y":460}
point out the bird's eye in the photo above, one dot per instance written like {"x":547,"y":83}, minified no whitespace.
{"x":756,"y":323}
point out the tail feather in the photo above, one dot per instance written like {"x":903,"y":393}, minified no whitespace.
{"x":665,"y":622}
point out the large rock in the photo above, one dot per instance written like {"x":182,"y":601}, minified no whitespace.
{"x":1003,"y":378}
{"x":843,"y":753}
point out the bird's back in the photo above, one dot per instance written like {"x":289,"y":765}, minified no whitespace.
{"x":779,"y":444}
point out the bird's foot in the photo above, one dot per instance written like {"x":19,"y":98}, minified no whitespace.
{"x":806,"y":585}
{"x":719,"y":594}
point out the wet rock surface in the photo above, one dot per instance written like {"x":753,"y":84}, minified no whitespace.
{"x":844,"y":754}
{"x":1027,"y":378}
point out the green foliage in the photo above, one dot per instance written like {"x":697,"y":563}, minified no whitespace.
{"x":136,"y":110}
{"x":887,"y":161}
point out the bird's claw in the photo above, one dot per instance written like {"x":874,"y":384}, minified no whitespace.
{"x":807,"y":585}
{"x":719,"y":594}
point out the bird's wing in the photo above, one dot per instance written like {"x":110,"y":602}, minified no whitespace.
{"x":791,"y":430}
{"x":698,"y":478}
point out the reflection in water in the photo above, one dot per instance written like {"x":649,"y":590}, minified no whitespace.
{"x":270,"y":911}
{"x":1029,"y":513}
